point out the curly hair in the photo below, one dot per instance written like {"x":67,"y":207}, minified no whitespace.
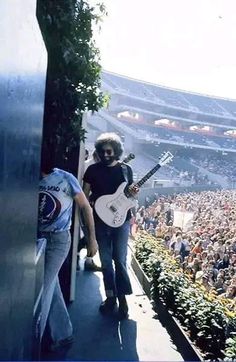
{"x":111,"y":139}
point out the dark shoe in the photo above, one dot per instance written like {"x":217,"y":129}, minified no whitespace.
{"x":91,"y":266}
{"x":61,"y":343}
{"x":123,"y":308}
{"x":108,"y":305}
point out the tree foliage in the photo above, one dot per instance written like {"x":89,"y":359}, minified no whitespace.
{"x":73,"y":75}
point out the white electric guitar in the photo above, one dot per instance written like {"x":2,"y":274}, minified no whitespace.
{"x":112,"y":209}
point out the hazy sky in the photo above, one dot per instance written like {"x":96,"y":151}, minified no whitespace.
{"x":185,"y":44}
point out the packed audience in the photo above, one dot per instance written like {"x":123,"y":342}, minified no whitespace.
{"x":220,"y":167}
{"x":205,"y":246}
{"x":196,"y":178}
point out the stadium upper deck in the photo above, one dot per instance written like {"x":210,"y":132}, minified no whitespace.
{"x":159,"y":101}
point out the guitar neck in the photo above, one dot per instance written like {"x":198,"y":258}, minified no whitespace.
{"x":148,"y":175}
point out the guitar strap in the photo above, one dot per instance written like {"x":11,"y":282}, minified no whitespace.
{"x":129,"y":179}
{"x":126,"y":174}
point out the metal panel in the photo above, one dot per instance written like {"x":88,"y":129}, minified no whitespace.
{"x":22,"y":84}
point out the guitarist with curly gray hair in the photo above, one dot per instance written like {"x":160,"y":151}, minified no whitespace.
{"x":104,"y":178}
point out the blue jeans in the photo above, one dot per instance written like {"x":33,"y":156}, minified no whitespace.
{"x":53,"y":307}
{"x":113,"y":244}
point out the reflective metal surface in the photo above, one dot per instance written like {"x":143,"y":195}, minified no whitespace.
{"x":22,"y":83}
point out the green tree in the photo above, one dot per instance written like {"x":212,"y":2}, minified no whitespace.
{"x":73,"y":75}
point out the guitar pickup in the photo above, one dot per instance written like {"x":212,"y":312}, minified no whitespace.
{"x":113,"y":208}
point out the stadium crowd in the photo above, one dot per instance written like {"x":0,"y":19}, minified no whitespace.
{"x":205,"y":246}
{"x":195,"y":178}
{"x":220,"y":167}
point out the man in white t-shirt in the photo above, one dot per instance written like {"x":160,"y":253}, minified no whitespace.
{"x":57,"y":191}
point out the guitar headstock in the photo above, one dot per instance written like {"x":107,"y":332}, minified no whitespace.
{"x":165,"y":158}
{"x":128,"y":158}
